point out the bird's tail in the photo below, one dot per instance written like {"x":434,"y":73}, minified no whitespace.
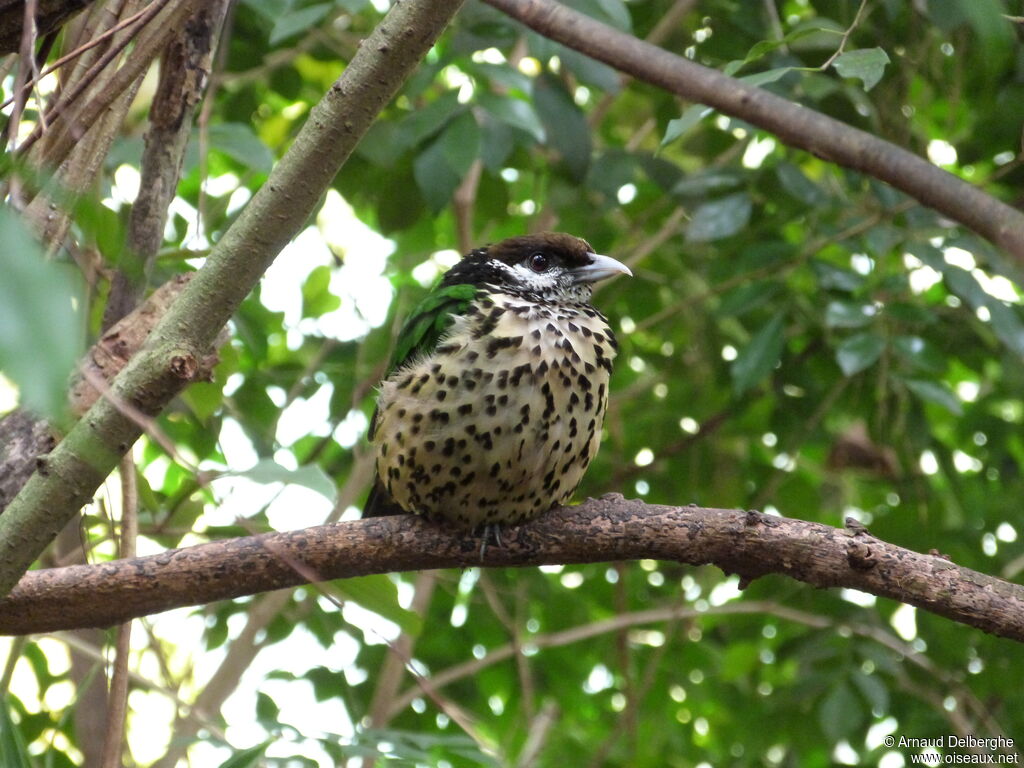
{"x":379,"y":503}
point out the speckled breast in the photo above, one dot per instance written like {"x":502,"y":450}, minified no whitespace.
{"x":501,"y":422}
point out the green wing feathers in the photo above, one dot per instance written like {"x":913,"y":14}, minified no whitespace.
{"x":430,"y":320}
{"x":426,"y":325}
{"x":419,"y":335}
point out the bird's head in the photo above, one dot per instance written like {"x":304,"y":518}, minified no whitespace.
{"x":551,"y":266}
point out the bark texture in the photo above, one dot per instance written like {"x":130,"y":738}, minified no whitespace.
{"x":611,"y":528}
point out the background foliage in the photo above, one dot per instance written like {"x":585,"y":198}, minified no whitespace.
{"x":798,"y":338}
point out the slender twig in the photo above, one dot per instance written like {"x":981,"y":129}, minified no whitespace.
{"x":22,"y":86}
{"x":145,"y":51}
{"x":117,"y":699}
{"x":537,"y":735}
{"x":72,"y":55}
{"x":845,"y":38}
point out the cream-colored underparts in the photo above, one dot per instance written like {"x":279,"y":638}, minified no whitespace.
{"x":499,"y":428}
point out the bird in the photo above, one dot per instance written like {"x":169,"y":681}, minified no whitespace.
{"x":494,"y":405}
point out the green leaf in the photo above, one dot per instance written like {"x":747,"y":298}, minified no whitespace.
{"x":917,"y":352}
{"x":248,"y":758}
{"x":867,"y":65}
{"x":697,"y":112}
{"x":720,"y":218}
{"x":39,"y":302}
{"x":798,"y":185}
{"x":612,"y":12}
{"x":435,"y":177}
{"x":707,"y":184}
{"x":873,"y":690}
{"x":378,"y":593}
{"x":317,"y":298}
{"x":841,"y":712}
{"x":1005,"y":322}
{"x":859,"y":352}
{"x":746,"y":298}
{"x":683,"y":124}
{"x":419,"y":125}
{"x":936,"y":392}
{"x":295,"y":21}
{"x":513,"y":112}
{"x":460,"y":143}
{"x":267,"y":471}
{"x":831,"y":277}
{"x":768,"y":76}
{"x":845,"y":314}
{"x":13,"y":749}
{"x":564,"y":123}
{"x":497,"y":143}
{"x":760,"y":356}
{"x":811,"y":28}
{"x":239,"y":142}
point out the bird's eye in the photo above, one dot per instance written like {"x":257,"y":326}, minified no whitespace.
{"x":539,"y":262}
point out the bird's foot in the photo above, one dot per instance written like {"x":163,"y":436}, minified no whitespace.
{"x":488,"y":532}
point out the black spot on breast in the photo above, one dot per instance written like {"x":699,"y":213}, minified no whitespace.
{"x":465,"y":409}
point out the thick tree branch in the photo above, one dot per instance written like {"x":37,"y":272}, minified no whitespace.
{"x":73,"y":471}
{"x":793,"y":123}
{"x":599,"y":530}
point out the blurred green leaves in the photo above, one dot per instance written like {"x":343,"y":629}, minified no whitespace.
{"x":866,"y":65}
{"x":757,"y":359}
{"x":40,"y":320}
